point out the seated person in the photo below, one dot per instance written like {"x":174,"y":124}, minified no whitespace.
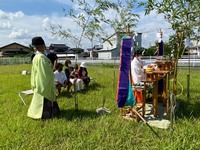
{"x":83,"y":74}
{"x":68,"y":68}
{"x":60,"y":78}
{"x":74,"y":73}
{"x":137,"y":68}
{"x":68,"y":71}
{"x":137,"y":73}
{"x":75,"y":80}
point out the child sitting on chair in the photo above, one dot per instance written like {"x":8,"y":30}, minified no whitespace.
{"x":83,"y":74}
{"x":60,"y":78}
{"x":75,"y":80}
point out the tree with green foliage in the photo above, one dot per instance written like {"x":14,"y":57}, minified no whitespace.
{"x":168,"y":48}
{"x":92,"y":20}
{"x":88,"y":18}
{"x":124,"y":16}
{"x":183,"y":15}
{"x":150,"y":51}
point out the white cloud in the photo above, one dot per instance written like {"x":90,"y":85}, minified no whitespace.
{"x":18,"y":14}
{"x":23,"y":27}
{"x":5,"y":25}
{"x":46,"y":23}
{"x":3,"y":15}
{"x":20,"y":34}
{"x":65,"y":2}
{"x":149,"y":25}
{"x":7,"y":15}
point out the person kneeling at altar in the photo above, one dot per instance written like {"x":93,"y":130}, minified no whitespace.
{"x":137,"y":68}
{"x":60,"y":78}
{"x":137,"y":73}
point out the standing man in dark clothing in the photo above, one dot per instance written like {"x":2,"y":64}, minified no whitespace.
{"x":32,"y":56}
{"x":53,"y":57}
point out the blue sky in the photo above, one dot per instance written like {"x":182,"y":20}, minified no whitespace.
{"x":33,"y":7}
{"x":20,"y":20}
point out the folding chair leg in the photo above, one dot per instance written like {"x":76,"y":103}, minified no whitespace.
{"x":22,"y":98}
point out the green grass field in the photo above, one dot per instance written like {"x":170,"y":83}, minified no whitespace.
{"x":85,"y":129}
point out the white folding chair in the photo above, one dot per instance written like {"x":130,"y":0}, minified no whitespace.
{"x":23,"y":94}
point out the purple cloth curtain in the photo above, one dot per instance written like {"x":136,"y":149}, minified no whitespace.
{"x":160,"y":53}
{"x":124,"y":72}
{"x":160,"y":48}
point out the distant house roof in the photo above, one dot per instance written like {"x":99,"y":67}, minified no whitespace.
{"x":89,"y":49}
{"x":70,"y":51}
{"x":77,"y":50}
{"x":96,"y":47}
{"x":14,"y":44}
{"x":59,"y":46}
{"x":13,"y":49}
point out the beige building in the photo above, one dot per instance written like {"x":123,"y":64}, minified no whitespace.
{"x":111,"y":45}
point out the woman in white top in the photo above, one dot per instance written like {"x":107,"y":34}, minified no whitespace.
{"x":137,"y":68}
{"x":60,"y":77}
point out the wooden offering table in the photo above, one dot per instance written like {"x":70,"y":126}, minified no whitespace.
{"x":151,"y":78}
{"x":164,"y":74}
{"x":164,"y":64}
{"x":164,"y":69}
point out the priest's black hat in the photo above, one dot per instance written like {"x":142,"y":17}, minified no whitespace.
{"x":37,"y":41}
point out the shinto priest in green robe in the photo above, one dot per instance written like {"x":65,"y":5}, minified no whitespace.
{"x":43,"y":104}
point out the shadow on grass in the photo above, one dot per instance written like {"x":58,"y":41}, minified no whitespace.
{"x":72,"y":114}
{"x":66,"y":94}
{"x":91,"y":87}
{"x":188,"y":109}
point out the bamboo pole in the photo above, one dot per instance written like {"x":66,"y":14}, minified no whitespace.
{"x":178,"y":49}
{"x":136,"y":112}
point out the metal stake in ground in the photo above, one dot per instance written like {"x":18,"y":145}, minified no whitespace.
{"x":76,"y":51}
